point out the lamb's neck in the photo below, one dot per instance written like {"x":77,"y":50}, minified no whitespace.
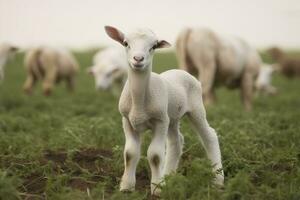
{"x":139,"y":87}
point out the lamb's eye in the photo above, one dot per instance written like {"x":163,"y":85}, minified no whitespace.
{"x":153,"y":47}
{"x":125,"y":44}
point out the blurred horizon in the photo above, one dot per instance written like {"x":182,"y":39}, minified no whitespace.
{"x":79,"y":24}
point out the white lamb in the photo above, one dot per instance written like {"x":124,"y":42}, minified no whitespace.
{"x":6,"y":52}
{"x":158,"y":102}
{"x":109,"y":68}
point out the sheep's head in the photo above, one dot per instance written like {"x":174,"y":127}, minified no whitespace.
{"x":140,"y":46}
{"x":105,"y":75}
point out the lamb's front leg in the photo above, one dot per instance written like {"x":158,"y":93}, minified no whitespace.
{"x":131,"y":156}
{"x":156,"y":154}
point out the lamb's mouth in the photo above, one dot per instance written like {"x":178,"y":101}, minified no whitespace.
{"x":138,"y":66}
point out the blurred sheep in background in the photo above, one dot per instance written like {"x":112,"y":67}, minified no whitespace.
{"x":109,"y":68}
{"x":218,"y":59}
{"x":50,"y":65}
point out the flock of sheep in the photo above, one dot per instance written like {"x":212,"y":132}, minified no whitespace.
{"x":158,"y":101}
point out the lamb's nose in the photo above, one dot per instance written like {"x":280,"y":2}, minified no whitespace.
{"x":138,"y":58}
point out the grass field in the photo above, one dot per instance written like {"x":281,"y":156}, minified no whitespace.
{"x":69,"y":146}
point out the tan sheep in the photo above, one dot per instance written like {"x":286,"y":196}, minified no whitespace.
{"x":217,"y":60}
{"x":51,"y":66}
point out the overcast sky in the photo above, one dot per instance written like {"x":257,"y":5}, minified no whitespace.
{"x":79,"y":23}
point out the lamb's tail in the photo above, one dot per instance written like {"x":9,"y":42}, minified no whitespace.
{"x":181,"y":48}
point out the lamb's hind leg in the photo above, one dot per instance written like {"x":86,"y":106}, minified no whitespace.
{"x":209,"y":140}
{"x":174,"y":148}
{"x":131,"y":156}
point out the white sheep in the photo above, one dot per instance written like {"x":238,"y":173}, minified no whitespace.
{"x":51,"y":65}
{"x":158,"y":102}
{"x":109,"y":68}
{"x":263,"y":82}
{"x":6,"y":52}
{"x":218,"y":60}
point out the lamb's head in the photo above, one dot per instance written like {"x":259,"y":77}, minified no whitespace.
{"x":140,"y":46}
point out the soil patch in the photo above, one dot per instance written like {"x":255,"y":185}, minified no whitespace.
{"x":59,"y":156}
{"x":94,"y":160}
{"x":80,"y":184}
{"x":142,"y":180}
{"x":34,"y":183}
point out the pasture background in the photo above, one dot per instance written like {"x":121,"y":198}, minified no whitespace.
{"x":69,"y":146}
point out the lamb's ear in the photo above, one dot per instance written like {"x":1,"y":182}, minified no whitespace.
{"x":163,"y":44}
{"x":115,"y":34}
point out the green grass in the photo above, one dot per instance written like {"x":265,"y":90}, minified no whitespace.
{"x":57,"y":147}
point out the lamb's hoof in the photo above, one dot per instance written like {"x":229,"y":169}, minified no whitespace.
{"x":220,"y":188}
{"x":126,"y":188}
{"x":154,"y":197}
{"x":156,"y":192}
{"x":219,"y":181}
